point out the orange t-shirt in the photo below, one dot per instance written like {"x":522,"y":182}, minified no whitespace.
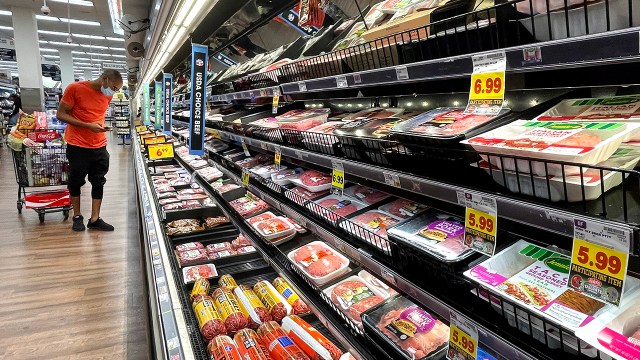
{"x":89,"y":105}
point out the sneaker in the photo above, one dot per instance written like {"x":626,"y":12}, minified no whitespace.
{"x":78,"y":223}
{"x":99,"y":224}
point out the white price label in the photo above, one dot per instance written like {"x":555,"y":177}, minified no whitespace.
{"x":302,"y":86}
{"x":341,"y":82}
{"x":387,"y":275}
{"x":357,"y":79}
{"x":402,"y":73}
{"x":392,"y":179}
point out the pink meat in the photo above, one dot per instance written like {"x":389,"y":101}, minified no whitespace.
{"x":366,"y":194}
{"x":402,"y":208}
{"x":240,"y":241}
{"x":420,"y":345}
{"x":583,"y":139}
{"x":308,"y":251}
{"x":325,"y":266}
{"x":314,"y":178}
{"x":375,"y":222}
{"x":354,"y":297}
{"x":338,"y":207}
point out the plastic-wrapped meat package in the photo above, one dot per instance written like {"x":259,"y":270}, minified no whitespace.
{"x":192,"y":197}
{"x":213,"y":248}
{"x":165,"y":195}
{"x":378,"y":284}
{"x":283,"y":177}
{"x":190,"y":204}
{"x":266,"y":170}
{"x":333,"y":205}
{"x":209,"y":321}
{"x":374,"y":113}
{"x":274,"y":228}
{"x":270,"y":122}
{"x":313,"y":180}
{"x":280,"y":346}
{"x":184,"y":222}
{"x":160,"y":183}
{"x":375,"y":221}
{"x":298,"y":306}
{"x":248,"y":162}
{"x":211,"y":222}
{"x":299,"y":194}
{"x":353,"y":296}
{"x":246,"y":250}
{"x":248,"y":204}
{"x":240,"y":241}
{"x":168,"y":200}
{"x":251,"y":305}
{"x":264,"y":216}
{"x":190,"y":246}
{"x":223,"y":347}
{"x":366,"y":194}
{"x":209,"y":173}
{"x":190,"y":191}
{"x":200,"y":287}
{"x":171,"y":206}
{"x":443,"y":122}
{"x":319,"y":262}
{"x":310,"y":340}
{"x":249,"y":345}
{"x":193,"y":273}
{"x":183,"y":181}
{"x":222,"y":254}
{"x":277,"y":306}
{"x":402,"y":208}
{"x":192,"y":257}
{"x":227,"y":187}
{"x":164,"y":189}
{"x":412,"y":331}
{"x":303,"y":119}
{"x":229,"y":309}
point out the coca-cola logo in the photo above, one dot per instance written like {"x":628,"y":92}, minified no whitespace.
{"x":46,"y":136}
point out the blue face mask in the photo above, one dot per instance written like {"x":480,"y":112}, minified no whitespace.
{"x":107,"y":91}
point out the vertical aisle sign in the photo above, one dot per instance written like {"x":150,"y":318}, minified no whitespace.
{"x":481,"y":222}
{"x":463,"y":338}
{"x":158,"y":103}
{"x":199,"y":57}
{"x":486,"y":96}
{"x":167,"y":89}
{"x":146,"y":104}
{"x":599,"y":259}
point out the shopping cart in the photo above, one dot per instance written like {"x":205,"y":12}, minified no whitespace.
{"x":42,"y":171}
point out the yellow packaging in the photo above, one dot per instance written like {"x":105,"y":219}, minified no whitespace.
{"x":285,"y":290}
{"x":226,"y":303}
{"x":227,"y":281}
{"x":204,"y":311}
{"x":200,"y":287}
{"x":266,"y":295}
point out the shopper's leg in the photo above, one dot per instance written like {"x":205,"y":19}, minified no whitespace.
{"x":97,"y":173}
{"x":78,"y":169}
{"x":95,"y":208}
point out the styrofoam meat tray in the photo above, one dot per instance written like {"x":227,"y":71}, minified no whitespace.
{"x":321,"y":280}
{"x":574,"y":142}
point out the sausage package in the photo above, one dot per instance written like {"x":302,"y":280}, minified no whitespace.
{"x":223,"y":348}
{"x":249,"y":345}
{"x":283,"y":287}
{"x":209,"y":321}
{"x":280,"y":346}
{"x":227,"y":305}
{"x":200,"y":287}
{"x":277,"y":306}
{"x":310,"y":340}
{"x":251,"y":305}
{"x":227,"y":281}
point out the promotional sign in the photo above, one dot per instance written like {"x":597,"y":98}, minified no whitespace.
{"x":337,"y":178}
{"x":481,"y":222}
{"x":291,"y":18}
{"x":160,"y":151}
{"x":146,"y":104}
{"x":158,"y":103}
{"x":277,"y":157}
{"x":167,"y":89}
{"x":154,"y":140}
{"x":463,"y":338}
{"x":599,"y":259}
{"x":199,"y":57}
{"x":486,"y":96}
{"x":7,"y":50}
{"x":224,"y":59}
{"x":141,"y":128}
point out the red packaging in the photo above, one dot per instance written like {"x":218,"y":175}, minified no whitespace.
{"x":280,"y":346}
{"x":223,"y":348}
{"x":249,"y":345}
{"x":310,"y":340}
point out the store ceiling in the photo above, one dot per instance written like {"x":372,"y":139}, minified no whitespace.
{"x":94,"y":38}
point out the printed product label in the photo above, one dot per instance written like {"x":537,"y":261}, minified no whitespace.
{"x":409,"y":209}
{"x":350,"y":297}
{"x":626,"y":347}
{"x":410,"y":322}
{"x":205,"y":312}
{"x":340,"y":205}
{"x":566,"y":315}
{"x":442,"y":230}
{"x":315,"y":257}
{"x":226,"y":305}
{"x":267,"y":297}
{"x":191,"y":254}
{"x":284,"y":289}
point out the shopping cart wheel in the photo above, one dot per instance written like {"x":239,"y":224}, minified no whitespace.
{"x":66,"y":214}
{"x":41,"y":217}
{"x":19,"y":207}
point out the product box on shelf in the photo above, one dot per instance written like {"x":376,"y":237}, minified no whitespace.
{"x":617,"y":108}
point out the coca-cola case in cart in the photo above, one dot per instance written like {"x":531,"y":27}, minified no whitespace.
{"x":45,"y":200}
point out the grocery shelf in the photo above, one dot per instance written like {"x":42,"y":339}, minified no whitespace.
{"x":537,"y":215}
{"x":251,"y":94}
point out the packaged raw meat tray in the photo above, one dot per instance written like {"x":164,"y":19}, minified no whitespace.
{"x":553,"y":187}
{"x":248,"y":204}
{"x":437,"y":234}
{"x":537,"y":279}
{"x":273,"y":228}
{"x":193,"y":273}
{"x":450,"y":124}
{"x":266,"y":171}
{"x":313,"y":180}
{"x":332,"y":205}
{"x":578,"y":142}
{"x":402,"y":208}
{"x":617,"y":108}
{"x":366,"y":194}
{"x":353,"y":296}
{"x":413,"y":332}
{"x":374,"y":113}
{"x":365,"y":129}
{"x":283,"y":177}
{"x":305,"y":121}
{"x":319,"y":262}
{"x":299,"y":194}
{"x":375,"y":222}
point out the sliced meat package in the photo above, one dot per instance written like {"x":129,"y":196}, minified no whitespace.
{"x":366,"y":194}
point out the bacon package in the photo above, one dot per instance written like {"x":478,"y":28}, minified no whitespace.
{"x":209,"y":321}
{"x":310,"y":340}
{"x":280,"y":346}
{"x":319,"y":261}
{"x":298,"y":306}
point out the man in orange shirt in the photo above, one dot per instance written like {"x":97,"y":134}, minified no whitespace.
{"x":82,"y":107}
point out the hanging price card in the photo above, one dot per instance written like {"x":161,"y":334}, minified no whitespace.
{"x":245,"y":177}
{"x":160,"y":151}
{"x":486,"y":96}
{"x":391,"y":179}
{"x":402,"y":73}
{"x":277,"y":157}
{"x":599,"y":259}
{"x":481,"y":222}
{"x":245,"y":148}
{"x":463,"y":338}
{"x":337,"y":178}
{"x":141,"y":128}
{"x":154,"y":140}
{"x":276,"y":99}
{"x":215,"y":134}
{"x":302,"y":86}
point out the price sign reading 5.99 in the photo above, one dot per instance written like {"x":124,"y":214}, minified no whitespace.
{"x":481,"y":222}
{"x":463,"y":338}
{"x":599,"y":260}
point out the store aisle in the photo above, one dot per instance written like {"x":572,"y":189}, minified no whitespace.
{"x":67,"y":295}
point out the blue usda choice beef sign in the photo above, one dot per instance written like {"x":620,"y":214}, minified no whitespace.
{"x":199,"y":55}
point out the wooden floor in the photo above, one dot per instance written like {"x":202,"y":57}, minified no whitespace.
{"x":68,"y":295}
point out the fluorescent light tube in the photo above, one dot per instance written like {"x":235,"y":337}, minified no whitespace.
{"x":75,"y":2}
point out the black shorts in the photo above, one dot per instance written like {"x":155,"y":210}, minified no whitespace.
{"x":87,"y":163}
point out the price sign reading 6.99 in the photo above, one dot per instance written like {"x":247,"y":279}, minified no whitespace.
{"x":488,"y":86}
{"x":160,"y":151}
{"x":486,"y":95}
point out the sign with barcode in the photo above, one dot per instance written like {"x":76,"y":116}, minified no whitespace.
{"x":341,"y":82}
{"x":337,"y":178}
{"x":302,"y":86}
{"x":486,"y":96}
{"x":481,"y":221}
{"x":463,"y":338}
{"x":402,"y":73}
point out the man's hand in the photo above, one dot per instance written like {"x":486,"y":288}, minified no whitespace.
{"x":95,"y":127}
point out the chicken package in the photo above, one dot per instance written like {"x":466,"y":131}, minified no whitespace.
{"x":310,"y":340}
{"x":239,"y":242}
{"x":298,"y":306}
{"x":437,"y":234}
{"x":227,"y":305}
{"x":353,"y":296}
{"x":402,"y":208}
{"x":249,"y":345}
{"x":280,"y":346}
{"x":193,"y":273}
{"x":273,"y":228}
{"x":313,"y":180}
{"x":366,"y":194}
{"x":223,"y":347}
{"x":200,"y":287}
{"x":227,"y":281}
{"x":192,"y":257}
{"x":319,"y":261}
{"x":277,"y":305}
{"x":332,"y":205}
{"x":250,"y":302}
{"x":411,"y":330}
{"x":560,"y":141}
{"x":209,"y":321}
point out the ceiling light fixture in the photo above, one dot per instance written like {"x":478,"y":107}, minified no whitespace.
{"x":5,"y":12}
{"x":60,"y":43}
{"x":47,"y":32}
{"x":6,"y":28}
{"x":115,"y":39}
{"x":115,"y":10}
{"x":65,"y":20}
{"x":75,"y":2}
{"x":48,"y":50}
{"x":86,"y":36}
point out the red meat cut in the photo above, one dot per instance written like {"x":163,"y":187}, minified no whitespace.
{"x":309,"y":251}
{"x":314,"y":178}
{"x":325,"y":266}
{"x":354,"y":297}
{"x":338,"y":207}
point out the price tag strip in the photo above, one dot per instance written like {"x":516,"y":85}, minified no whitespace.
{"x":160,"y":151}
{"x":486,"y":96}
{"x":481,"y":222}
{"x":463,"y":338}
{"x":276,"y":100}
{"x":245,"y":177}
{"x":337,"y":178}
{"x":402,"y":73}
{"x":341,"y":82}
{"x":599,"y":259}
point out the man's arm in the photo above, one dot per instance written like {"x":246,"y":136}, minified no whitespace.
{"x":64,"y":114}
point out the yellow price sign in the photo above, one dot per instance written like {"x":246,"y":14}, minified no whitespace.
{"x":609,"y":262}
{"x":154,"y":140}
{"x":276,"y":99}
{"x":277,"y":157}
{"x":337,"y":179}
{"x":160,"y":151}
{"x":141,"y":128}
{"x":245,"y":177}
{"x":460,"y":340}
{"x":487,"y":86}
{"x":481,"y":221}
{"x":215,"y":134}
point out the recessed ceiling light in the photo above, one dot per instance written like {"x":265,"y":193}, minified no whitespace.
{"x":75,"y":2}
{"x":96,"y":47}
{"x":48,"y":50}
{"x":119,"y":56}
{"x":115,"y":39}
{"x":6,"y":28}
{"x":64,"y":20}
